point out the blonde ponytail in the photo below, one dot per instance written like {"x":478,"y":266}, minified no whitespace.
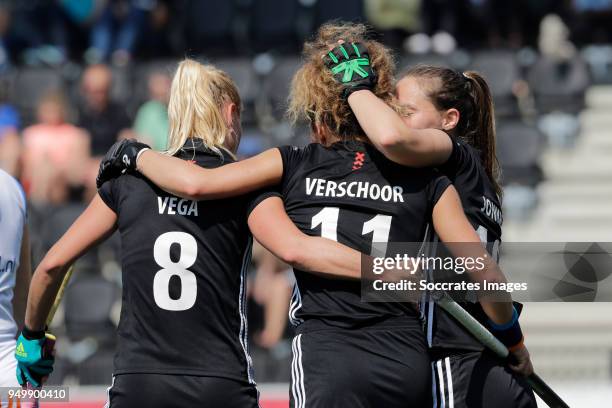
{"x":195,"y":110}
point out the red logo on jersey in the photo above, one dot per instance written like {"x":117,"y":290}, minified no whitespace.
{"x":359,"y":159}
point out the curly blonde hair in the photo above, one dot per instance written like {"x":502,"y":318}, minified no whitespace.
{"x":315,"y":95}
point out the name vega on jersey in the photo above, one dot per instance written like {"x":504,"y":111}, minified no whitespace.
{"x":177,"y":206}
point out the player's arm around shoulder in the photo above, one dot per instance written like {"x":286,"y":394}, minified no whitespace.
{"x":183,"y":179}
{"x":193,"y":182}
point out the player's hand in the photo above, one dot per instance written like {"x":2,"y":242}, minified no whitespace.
{"x":520,"y":362}
{"x":35,"y":358}
{"x":121,"y":157}
{"x":350,"y":66}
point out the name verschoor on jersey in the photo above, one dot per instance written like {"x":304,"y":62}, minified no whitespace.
{"x":354,"y":189}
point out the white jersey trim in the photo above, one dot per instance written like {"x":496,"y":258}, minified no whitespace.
{"x":298,"y":391}
{"x":243,"y":333}
{"x":295,"y":306}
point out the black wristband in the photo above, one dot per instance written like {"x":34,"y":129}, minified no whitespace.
{"x":33,"y":334}
{"x":510,"y":337}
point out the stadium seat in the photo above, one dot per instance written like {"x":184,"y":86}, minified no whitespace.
{"x":209,"y":25}
{"x":141,"y":72}
{"x":519,"y":147}
{"x":241,"y":71}
{"x":273,"y":365}
{"x":278,"y":82}
{"x":53,"y":223}
{"x":88,"y":331}
{"x":29,"y":85}
{"x":346,"y":10}
{"x":252,"y":142}
{"x":599,"y":60}
{"x":501,"y":70}
{"x":271,"y":31}
{"x":97,"y":369}
{"x":88,"y":302}
{"x":559,"y":86}
{"x":456,"y":60}
{"x":122,"y":86}
{"x":272,"y":106}
{"x":561,"y":129}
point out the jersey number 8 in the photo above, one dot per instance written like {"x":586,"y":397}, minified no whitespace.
{"x":161,"y":281}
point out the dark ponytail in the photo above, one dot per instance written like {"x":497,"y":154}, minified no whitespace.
{"x":469,"y":93}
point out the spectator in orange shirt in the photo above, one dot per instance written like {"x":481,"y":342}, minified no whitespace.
{"x":55,"y":152}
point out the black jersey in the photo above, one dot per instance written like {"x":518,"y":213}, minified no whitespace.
{"x":478,"y":197}
{"x":351,"y":193}
{"x":483,"y":210}
{"x":183,"y":269}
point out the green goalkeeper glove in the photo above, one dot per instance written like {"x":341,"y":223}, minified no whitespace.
{"x":350,"y":65}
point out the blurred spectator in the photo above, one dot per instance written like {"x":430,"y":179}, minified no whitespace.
{"x":10,"y":145}
{"x":592,"y":21}
{"x":442,"y":24}
{"x":5,"y":18}
{"x":593,"y":5}
{"x":81,"y":11}
{"x":553,"y":40}
{"x":38,"y":32}
{"x":115,"y":32}
{"x":515,"y":24}
{"x":395,"y":19}
{"x":151,"y":122}
{"x":161,"y":36}
{"x":79,"y":17}
{"x":9,"y":139}
{"x":98,"y":114}
{"x":55,"y":153}
{"x":559,"y":80}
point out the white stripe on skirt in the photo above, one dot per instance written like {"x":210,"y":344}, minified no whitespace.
{"x":449,"y":376}
{"x":441,"y":382}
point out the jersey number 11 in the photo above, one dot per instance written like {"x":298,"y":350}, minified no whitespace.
{"x":380,"y":226}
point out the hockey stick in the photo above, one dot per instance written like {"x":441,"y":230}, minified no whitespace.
{"x":50,"y":343}
{"x":60,"y":295}
{"x":488,"y":340}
